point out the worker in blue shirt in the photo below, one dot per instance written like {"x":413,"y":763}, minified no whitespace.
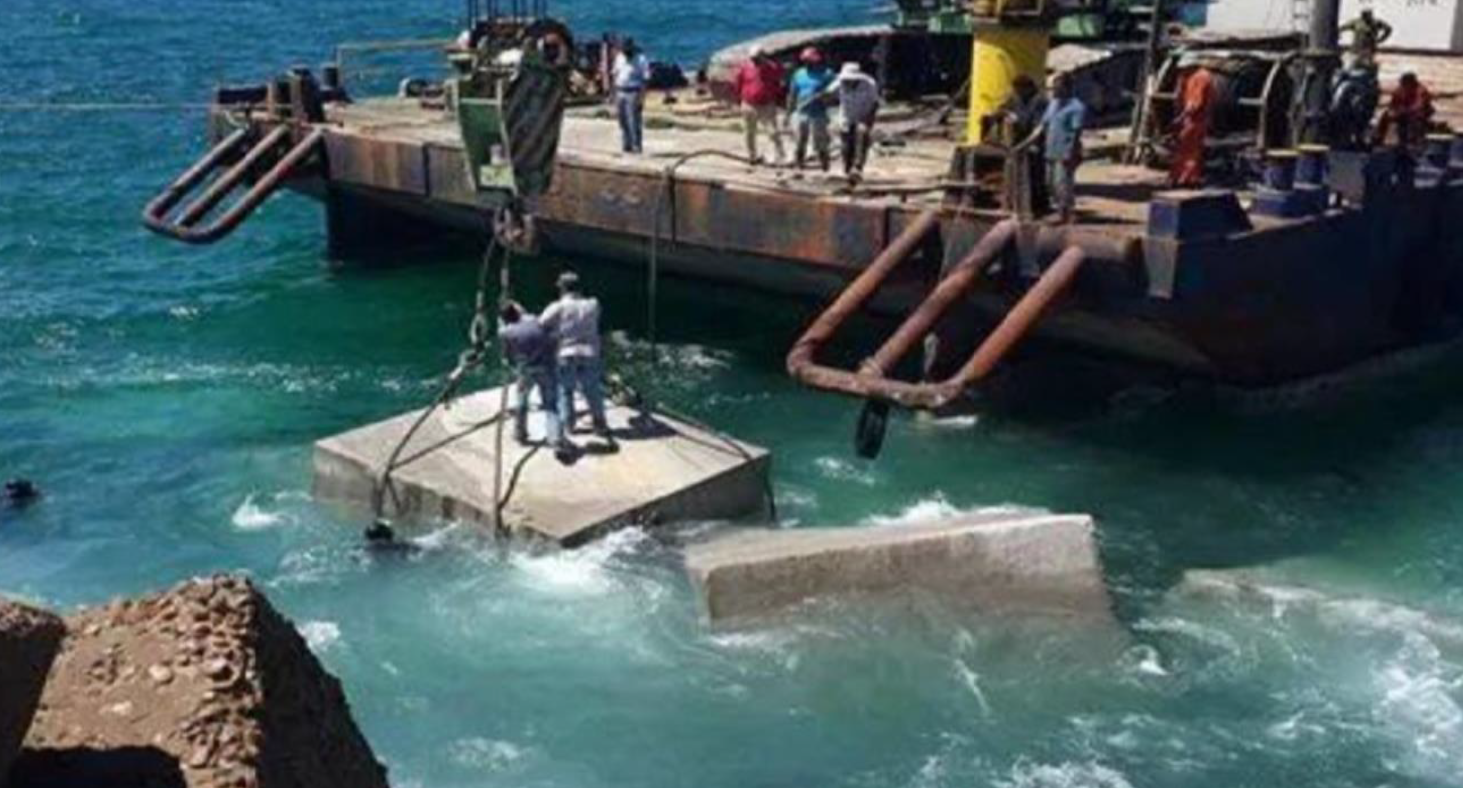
{"x":1062,"y":126}
{"x":531,"y":350}
{"x":807,"y":105}
{"x":631,"y":73}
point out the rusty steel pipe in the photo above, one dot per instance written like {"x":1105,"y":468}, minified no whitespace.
{"x":256,"y":195}
{"x":801,"y":359}
{"x":1015,"y":325}
{"x":954,"y":286}
{"x":154,"y":215}
{"x":231,"y":178}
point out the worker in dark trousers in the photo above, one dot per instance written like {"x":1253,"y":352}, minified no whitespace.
{"x":574,"y":320}
{"x":808,"y":109}
{"x":858,"y":101}
{"x":532,"y":352}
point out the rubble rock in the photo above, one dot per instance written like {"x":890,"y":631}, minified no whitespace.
{"x":125,"y":706}
{"x":29,"y":639}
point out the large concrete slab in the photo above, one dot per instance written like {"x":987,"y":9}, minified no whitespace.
{"x":660,"y":470}
{"x":29,"y":641}
{"x":1016,"y":562}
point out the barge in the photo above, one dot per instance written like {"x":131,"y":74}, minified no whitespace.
{"x":1217,"y":283}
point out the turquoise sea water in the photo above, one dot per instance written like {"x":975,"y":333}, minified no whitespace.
{"x":166,"y":399}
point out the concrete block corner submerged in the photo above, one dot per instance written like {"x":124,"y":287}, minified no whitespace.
{"x":999,"y":561}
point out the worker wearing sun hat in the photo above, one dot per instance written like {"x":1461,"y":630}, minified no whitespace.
{"x":808,"y":107}
{"x":858,"y":99}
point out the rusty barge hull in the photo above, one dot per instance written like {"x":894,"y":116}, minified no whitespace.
{"x":1280,"y":300}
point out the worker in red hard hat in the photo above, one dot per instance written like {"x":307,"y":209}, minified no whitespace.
{"x":807,"y":107}
{"x":1196,"y":108}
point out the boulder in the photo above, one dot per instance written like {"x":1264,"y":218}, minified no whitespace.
{"x":29,"y":639}
{"x":203,"y":685}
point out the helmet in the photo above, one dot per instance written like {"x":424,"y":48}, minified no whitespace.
{"x":811,"y":56}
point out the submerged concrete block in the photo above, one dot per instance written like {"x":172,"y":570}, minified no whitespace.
{"x":660,"y":470}
{"x":29,"y":640}
{"x":1015,"y":562}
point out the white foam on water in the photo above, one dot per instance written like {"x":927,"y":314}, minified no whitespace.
{"x":250,"y":516}
{"x":1144,"y":660}
{"x":494,"y":755}
{"x":840,"y":469}
{"x":938,"y":507}
{"x":586,"y":571}
{"x":966,"y":422}
{"x":320,"y":636}
{"x":1065,"y":775}
{"x":971,"y":680}
{"x":1420,"y":693}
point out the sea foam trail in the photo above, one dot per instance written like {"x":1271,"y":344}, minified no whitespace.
{"x":939,"y":507}
{"x":250,"y":516}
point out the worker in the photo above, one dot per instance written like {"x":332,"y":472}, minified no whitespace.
{"x":1367,"y":34}
{"x":807,"y":105}
{"x":631,"y":71}
{"x":1024,"y":109}
{"x":531,"y":351}
{"x":858,"y":102}
{"x":1062,"y":126}
{"x":1191,"y":127}
{"x":760,"y":88}
{"x":1354,"y":97}
{"x":574,"y":320}
{"x":1410,"y":108}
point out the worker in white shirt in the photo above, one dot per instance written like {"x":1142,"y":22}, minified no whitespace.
{"x":631,"y":72}
{"x":574,"y":320}
{"x":858,"y":99}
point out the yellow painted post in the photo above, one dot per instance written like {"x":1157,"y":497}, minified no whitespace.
{"x":1002,"y":52}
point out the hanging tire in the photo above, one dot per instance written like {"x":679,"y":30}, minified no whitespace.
{"x":873,"y":422}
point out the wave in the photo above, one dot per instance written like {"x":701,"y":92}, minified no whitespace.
{"x":250,"y":516}
{"x":938,"y":507}
{"x":1065,"y":775}
{"x":320,"y":636}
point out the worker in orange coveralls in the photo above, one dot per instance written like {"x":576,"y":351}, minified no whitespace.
{"x":1196,"y":105}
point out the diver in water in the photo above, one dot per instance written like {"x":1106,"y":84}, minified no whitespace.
{"x":20,"y":493}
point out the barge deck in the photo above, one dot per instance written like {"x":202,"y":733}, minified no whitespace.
{"x":1174,"y":278}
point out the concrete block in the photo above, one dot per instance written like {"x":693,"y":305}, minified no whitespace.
{"x":205,"y":685}
{"x":662,"y":470}
{"x":1191,"y":215}
{"x":1009,"y":562}
{"x":29,"y":641}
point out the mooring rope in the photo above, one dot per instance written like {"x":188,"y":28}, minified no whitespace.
{"x":101,"y":106}
{"x":468,"y":360}
{"x":668,"y":179}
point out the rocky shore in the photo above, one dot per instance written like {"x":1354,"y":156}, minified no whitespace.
{"x":203,"y":685}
